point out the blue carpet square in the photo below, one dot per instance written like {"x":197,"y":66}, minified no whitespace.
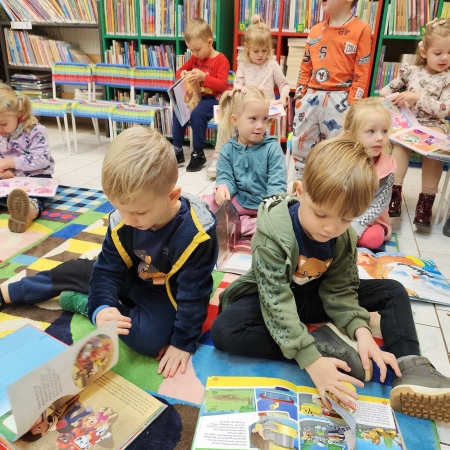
{"x":69,"y":231}
{"x":24,"y":259}
{"x":106,"y":208}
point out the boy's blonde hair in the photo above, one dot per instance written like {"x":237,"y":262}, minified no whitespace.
{"x":197,"y":29}
{"x":13,"y":103}
{"x":339,"y":172}
{"x":358,"y":115}
{"x":435,"y":28}
{"x":258,"y":35}
{"x":233,"y":102}
{"x":139,"y":161}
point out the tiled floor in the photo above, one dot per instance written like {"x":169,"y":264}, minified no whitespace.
{"x":433,"y":321}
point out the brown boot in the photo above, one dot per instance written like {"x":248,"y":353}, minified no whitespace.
{"x":424,"y":208}
{"x":395,"y":206}
{"x":22,"y":209}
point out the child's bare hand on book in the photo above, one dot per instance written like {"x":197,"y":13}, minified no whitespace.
{"x":171,"y":358}
{"x":325,"y":375}
{"x":196,"y":75}
{"x":8,"y":173}
{"x":368,"y":348}
{"x":114,"y":315}
{"x":222,"y":194}
{"x":183,"y":73}
{"x":281,"y":101}
{"x":405,"y":99}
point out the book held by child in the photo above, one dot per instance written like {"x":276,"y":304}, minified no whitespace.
{"x":184,"y":97}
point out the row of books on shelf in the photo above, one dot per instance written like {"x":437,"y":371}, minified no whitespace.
{"x":34,"y":86}
{"x":122,"y":52}
{"x":181,"y":59}
{"x":296,"y":49}
{"x":406,"y":17}
{"x":158,"y":56}
{"x":26,"y":49}
{"x":298,"y":15}
{"x":445,"y":13}
{"x":387,"y":71}
{"x":60,"y":11}
{"x":157,"y":17}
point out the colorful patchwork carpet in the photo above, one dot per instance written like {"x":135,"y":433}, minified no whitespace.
{"x":174,"y":429}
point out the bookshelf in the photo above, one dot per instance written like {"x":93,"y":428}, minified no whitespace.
{"x":399,"y":39}
{"x":282,"y":36}
{"x":139,"y":34}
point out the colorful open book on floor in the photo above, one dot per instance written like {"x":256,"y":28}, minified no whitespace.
{"x":184,"y":97}
{"x":271,"y":413}
{"x":234,"y":250}
{"x":34,"y":187}
{"x":420,"y":277}
{"x":54,"y":396}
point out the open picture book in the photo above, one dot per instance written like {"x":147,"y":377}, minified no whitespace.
{"x":271,"y":413}
{"x":184,"y":97}
{"x":410,"y":134}
{"x":420,"y":276}
{"x":54,"y":396}
{"x":234,"y":250}
{"x":33,"y":186}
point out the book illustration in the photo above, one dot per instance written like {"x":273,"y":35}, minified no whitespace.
{"x":33,"y":186}
{"x":421,"y":277}
{"x":271,"y":413}
{"x":184,"y":96}
{"x":401,"y":117}
{"x":234,"y":249}
{"x":50,"y":408}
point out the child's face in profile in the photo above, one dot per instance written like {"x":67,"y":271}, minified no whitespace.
{"x":200,"y":48}
{"x":374,"y":135}
{"x":149,"y":210}
{"x":8,"y":123}
{"x":321,"y":223}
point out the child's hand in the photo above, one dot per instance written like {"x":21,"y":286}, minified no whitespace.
{"x":326,"y":377}
{"x":368,"y":348}
{"x":183,"y":73}
{"x":6,"y":164}
{"x":8,"y":173}
{"x":170,"y":359}
{"x":114,"y":315}
{"x":222,"y":194}
{"x":281,"y":101}
{"x":406,"y":99}
{"x":197,"y":75}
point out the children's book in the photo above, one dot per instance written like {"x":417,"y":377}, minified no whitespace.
{"x":234,"y":250}
{"x":274,"y":112}
{"x":54,"y":396}
{"x":401,"y":117}
{"x":421,"y":278}
{"x":184,"y":96}
{"x":34,"y":187}
{"x":271,"y":413}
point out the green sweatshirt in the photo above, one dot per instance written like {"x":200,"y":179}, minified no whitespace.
{"x":275,"y":254}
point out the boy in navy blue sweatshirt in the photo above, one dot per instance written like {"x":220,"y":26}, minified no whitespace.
{"x":153,"y":274}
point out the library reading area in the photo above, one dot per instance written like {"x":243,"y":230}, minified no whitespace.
{"x":103,"y":341}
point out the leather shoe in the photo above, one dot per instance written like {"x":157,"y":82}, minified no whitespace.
{"x":395,"y":206}
{"x":424,"y":209}
{"x":446,"y":229}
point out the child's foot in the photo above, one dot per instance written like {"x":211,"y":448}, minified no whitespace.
{"x":180,"y":155}
{"x":332,"y":343}
{"x":75,"y":302}
{"x":211,"y":170}
{"x":22,"y":210}
{"x":421,"y":391}
{"x":196,"y":163}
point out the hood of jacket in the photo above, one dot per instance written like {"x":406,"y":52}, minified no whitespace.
{"x":241,"y":147}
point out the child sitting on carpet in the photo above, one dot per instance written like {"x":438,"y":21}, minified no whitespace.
{"x":153,"y":274}
{"x":251,"y":164}
{"x":304,"y":271}
{"x":24,"y":152}
{"x":369,"y":122}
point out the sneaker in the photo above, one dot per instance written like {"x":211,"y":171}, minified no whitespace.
{"x":180,"y":155}
{"x":196,"y":163}
{"x":421,"y":391}
{"x":19,"y":206}
{"x":211,"y":170}
{"x":332,"y":343}
{"x":75,"y":302}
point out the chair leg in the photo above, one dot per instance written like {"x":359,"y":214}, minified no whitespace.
{"x":74,"y":128}
{"x":60,"y":129}
{"x":441,"y":200}
{"x":96,"y":128}
{"x":66,"y":126}
{"x":191,"y":139}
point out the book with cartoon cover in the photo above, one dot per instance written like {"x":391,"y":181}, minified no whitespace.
{"x":271,"y":413}
{"x":33,"y":186}
{"x":184,"y":97}
{"x":71,"y":400}
{"x":234,"y":250}
{"x":420,"y":276}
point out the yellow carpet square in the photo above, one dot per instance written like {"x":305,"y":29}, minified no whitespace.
{"x":77,"y":246}
{"x":44,"y":264}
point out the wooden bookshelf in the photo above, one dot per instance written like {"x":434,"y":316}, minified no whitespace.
{"x":396,"y":44}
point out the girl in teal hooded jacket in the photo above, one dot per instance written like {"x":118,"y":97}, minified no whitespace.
{"x":251,"y":164}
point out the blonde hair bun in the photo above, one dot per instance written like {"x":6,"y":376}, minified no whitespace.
{"x":256,"y":18}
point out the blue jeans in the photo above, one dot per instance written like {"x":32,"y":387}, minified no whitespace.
{"x":200,"y":116}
